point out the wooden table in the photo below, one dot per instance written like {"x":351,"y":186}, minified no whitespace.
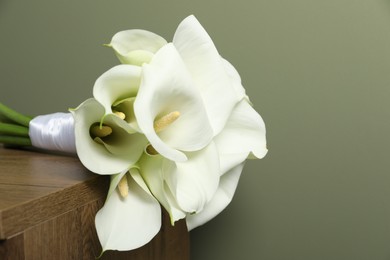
{"x":47,"y":209}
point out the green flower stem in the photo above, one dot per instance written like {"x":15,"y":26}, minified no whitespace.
{"x":15,"y":140}
{"x":14,"y":116}
{"x":15,"y":133}
{"x":13,"y":130}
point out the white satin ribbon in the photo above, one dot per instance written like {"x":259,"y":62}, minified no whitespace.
{"x":54,"y":132}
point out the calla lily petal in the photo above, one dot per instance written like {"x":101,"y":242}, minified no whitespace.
{"x":229,"y":161}
{"x":194,"y":182}
{"x":117,"y":83}
{"x":121,"y":143}
{"x":167,"y":87}
{"x":131,"y":222}
{"x":151,"y":170}
{"x":222,"y":198}
{"x":127,"y":107}
{"x":95,"y":156}
{"x":235,"y":79}
{"x":136,"y":46}
{"x":207,"y":69}
{"x":243,"y":134}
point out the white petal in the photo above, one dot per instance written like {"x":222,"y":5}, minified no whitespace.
{"x":96,"y":157}
{"x":243,"y":134}
{"x":151,"y":170}
{"x":121,"y":142}
{"x":229,"y":161}
{"x":117,"y":83}
{"x":194,"y":182}
{"x":221,"y":199}
{"x":167,"y":87}
{"x":235,"y":79}
{"x":207,"y":69}
{"x":136,"y":46}
{"x":127,"y":107}
{"x":128,"y":223}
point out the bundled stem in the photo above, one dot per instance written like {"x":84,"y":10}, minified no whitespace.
{"x":15,"y":140}
{"x":14,"y":116}
{"x":16,"y":131}
{"x":11,"y":129}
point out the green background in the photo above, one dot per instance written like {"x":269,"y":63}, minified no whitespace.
{"x":318,"y":73}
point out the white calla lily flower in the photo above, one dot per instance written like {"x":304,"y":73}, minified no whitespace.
{"x":126,"y":223}
{"x":116,"y":90}
{"x":166,"y":88}
{"x":207,"y":69}
{"x":107,"y":148}
{"x":183,"y":187}
{"x":136,"y":46}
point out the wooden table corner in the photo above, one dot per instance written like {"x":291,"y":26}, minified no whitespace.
{"x":48,"y":204}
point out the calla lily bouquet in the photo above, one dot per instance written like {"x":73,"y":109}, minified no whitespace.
{"x":171,"y":125}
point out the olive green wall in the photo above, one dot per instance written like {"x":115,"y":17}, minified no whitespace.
{"x":317,"y":71}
